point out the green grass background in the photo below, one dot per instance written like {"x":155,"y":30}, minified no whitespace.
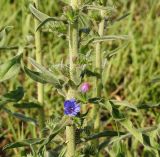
{"x":129,"y":72}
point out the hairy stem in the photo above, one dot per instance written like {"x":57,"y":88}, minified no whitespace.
{"x":73,"y":56}
{"x":98,"y":66}
{"x":38,"y":53}
{"x":70,"y":136}
{"x":98,"y":81}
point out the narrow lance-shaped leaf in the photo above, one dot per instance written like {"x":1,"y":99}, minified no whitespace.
{"x":114,"y":111}
{"x":109,"y":142}
{"x":110,"y":54}
{"x":39,"y":15}
{"x":50,"y":19}
{"x":23,"y":143}
{"x":59,"y":127}
{"x":122,"y":17}
{"x":3,"y":35}
{"x":12,"y":96}
{"x":36,"y":76}
{"x":43,"y":76}
{"x":27,"y":105}
{"x":105,"y":38}
{"x":51,"y":22}
{"x":130,"y":128}
{"x":147,"y":106}
{"x":10,"y":68}
{"x":124,"y":104}
{"x":99,"y":8}
{"x":20,"y":116}
{"x":39,"y":67}
{"x":106,"y":133}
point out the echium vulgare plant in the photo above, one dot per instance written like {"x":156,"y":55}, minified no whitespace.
{"x":83,"y":25}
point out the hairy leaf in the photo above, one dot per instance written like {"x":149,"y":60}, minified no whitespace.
{"x":42,"y":77}
{"x":23,"y":143}
{"x":20,"y":116}
{"x":10,"y":68}
{"x":3,"y":35}
{"x":12,"y":96}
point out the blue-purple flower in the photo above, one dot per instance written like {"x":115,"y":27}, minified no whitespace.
{"x":85,"y":87}
{"x":71,"y":108}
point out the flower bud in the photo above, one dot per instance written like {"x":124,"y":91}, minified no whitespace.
{"x":85,"y":87}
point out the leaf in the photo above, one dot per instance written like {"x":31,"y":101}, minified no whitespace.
{"x":39,"y":67}
{"x":3,"y":35}
{"x":114,"y":111}
{"x":96,"y":7}
{"x":90,"y":73}
{"x":124,"y":103}
{"x":122,"y":17}
{"x":147,"y":106}
{"x":39,"y":15}
{"x":46,"y":74}
{"x":24,"y":118}
{"x":42,"y":77}
{"x":61,"y":69}
{"x":27,"y":105}
{"x":12,"y":96}
{"x":9,"y":47}
{"x":23,"y":143}
{"x":105,"y":38}
{"x":95,"y":100}
{"x":75,"y":75}
{"x":106,"y":133}
{"x":36,"y":76}
{"x":62,"y":92}
{"x":110,"y":54}
{"x":146,"y":140}
{"x":52,"y":25}
{"x":50,"y":19}
{"x":10,"y":68}
{"x":84,"y":21}
{"x":109,"y":142}
{"x":59,"y":127}
{"x":20,"y":116}
{"x":130,"y":128}
{"x":15,"y":95}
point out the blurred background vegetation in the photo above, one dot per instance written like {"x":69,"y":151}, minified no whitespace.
{"x":128,"y":75}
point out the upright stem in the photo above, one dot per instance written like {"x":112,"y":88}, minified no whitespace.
{"x":70,"y":136}
{"x":98,"y":81}
{"x":40,"y":87}
{"x":73,"y":55}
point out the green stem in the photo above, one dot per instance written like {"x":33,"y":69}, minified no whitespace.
{"x":70,"y":138}
{"x":73,"y":55}
{"x":98,"y":81}
{"x":40,"y":87}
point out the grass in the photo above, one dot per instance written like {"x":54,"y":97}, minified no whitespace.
{"x":128,"y":75}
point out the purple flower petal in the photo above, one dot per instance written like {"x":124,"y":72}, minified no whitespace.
{"x":71,"y":107}
{"x":77,"y":108}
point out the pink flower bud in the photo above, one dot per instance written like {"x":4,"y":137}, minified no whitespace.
{"x":85,"y":87}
